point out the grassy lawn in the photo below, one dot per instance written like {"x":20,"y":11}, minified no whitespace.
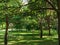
{"x":30,"y":38}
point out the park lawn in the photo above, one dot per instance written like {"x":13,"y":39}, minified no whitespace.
{"x":30,"y":38}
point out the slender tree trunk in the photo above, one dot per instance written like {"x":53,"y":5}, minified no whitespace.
{"x":49,"y":25}
{"x":49,"y":29}
{"x":48,"y":22}
{"x":41,"y":32}
{"x":58,"y":13}
{"x":40,"y":25}
{"x":6,"y":31}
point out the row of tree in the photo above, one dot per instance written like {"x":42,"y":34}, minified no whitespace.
{"x":36,"y":14}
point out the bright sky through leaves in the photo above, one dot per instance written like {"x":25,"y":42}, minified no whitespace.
{"x":25,"y":1}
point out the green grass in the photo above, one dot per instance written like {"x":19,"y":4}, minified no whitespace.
{"x":30,"y":38}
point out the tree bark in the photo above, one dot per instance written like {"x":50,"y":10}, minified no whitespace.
{"x":58,"y":27}
{"x":6,"y":31}
{"x":41,"y":32}
{"x":40,"y":26}
{"x":58,"y":14}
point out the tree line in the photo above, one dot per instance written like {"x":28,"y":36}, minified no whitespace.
{"x":36,"y":14}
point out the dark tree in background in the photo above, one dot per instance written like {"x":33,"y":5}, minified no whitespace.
{"x":6,"y":32}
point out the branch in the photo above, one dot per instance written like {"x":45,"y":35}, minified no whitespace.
{"x":44,"y":8}
{"x":51,"y":4}
{"x":41,"y":8}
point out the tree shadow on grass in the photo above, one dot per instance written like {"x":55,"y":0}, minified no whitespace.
{"x":1,"y":40}
{"x":41,"y":41}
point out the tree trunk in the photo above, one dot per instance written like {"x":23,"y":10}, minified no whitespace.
{"x":49,"y":29}
{"x":6,"y":31}
{"x":41,"y":32}
{"x":40,"y":26}
{"x":48,"y":21}
{"x":58,"y":13}
{"x":58,"y":26}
